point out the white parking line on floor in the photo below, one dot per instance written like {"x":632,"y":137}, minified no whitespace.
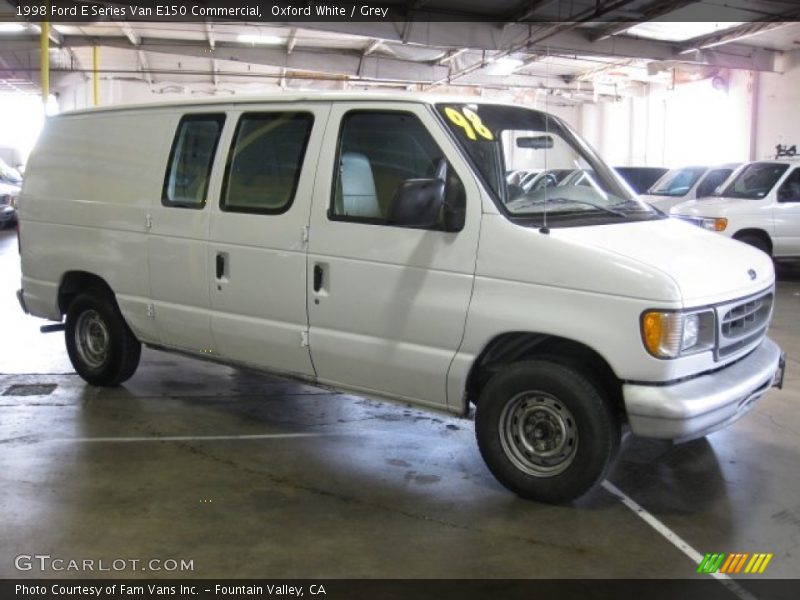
{"x":190,"y":438}
{"x":675,"y":540}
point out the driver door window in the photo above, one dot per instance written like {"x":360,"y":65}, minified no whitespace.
{"x":790,"y":188}
{"x":380,"y":155}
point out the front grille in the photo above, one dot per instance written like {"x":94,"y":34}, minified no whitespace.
{"x":742,"y":323}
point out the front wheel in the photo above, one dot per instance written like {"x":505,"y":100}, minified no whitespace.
{"x":756,"y":241}
{"x":101,"y":346}
{"x":545,"y":431}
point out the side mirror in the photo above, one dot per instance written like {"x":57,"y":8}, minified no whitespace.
{"x":417,"y":203}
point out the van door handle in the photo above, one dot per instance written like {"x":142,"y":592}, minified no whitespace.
{"x":318,"y":273}
{"x":220,"y":265}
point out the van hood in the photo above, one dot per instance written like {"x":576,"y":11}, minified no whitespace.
{"x":714,"y":206}
{"x":706,"y":267}
{"x":662,"y":203}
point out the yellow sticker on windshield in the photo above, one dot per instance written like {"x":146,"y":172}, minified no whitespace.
{"x":470,"y":122}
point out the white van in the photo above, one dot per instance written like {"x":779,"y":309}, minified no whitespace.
{"x":369,"y":243}
{"x":759,"y":205}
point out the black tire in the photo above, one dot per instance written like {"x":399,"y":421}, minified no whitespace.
{"x":756,"y":241}
{"x":109,"y":354}
{"x":563,"y":412}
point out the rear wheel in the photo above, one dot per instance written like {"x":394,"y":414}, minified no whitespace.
{"x":545,"y":431}
{"x":101,"y":346}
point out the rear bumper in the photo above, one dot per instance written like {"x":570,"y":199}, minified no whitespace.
{"x":698,"y":406}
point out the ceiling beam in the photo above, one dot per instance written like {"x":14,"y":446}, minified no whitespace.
{"x":55,"y":37}
{"x":736,"y":33}
{"x":450,"y":55}
{"x":136,"y":40}
{"x":322,"y":60}
{"x":526,"y":10}
{"x":145,"y":66}
{"x":534,"y":38}
{"x":210,"y":35}
{"x":590,"y":74}
{"x":648,"y":13}
{"x":212,"y":44}
{"x":291,"y":41}
{"x":373,"y":45}
{"x":491,"y":36}
{"x":322,"y":65}
{"x":129,"y":32}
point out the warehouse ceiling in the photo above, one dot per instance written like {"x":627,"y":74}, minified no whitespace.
{"x":595,"y":49}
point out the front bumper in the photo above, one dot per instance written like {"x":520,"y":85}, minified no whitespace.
{"x":698,"y":406}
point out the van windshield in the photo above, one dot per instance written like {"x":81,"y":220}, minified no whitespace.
{"x":501,"y":140}
{"x":755,"y":181}
{"x":677,"y":182}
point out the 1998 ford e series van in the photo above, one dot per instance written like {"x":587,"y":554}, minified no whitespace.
{"x":371,"y":243}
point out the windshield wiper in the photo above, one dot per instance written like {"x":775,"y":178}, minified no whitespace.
{"x":605,"y":209}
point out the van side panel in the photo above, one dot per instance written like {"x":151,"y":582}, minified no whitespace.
{"x":89,"y":184}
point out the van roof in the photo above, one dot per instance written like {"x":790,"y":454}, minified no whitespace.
{"x":410,"y":97}
{"x":789,"y":160}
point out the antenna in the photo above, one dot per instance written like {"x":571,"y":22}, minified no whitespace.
{"x":544,"y":228}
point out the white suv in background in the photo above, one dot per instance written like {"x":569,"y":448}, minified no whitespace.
{"x":759,"y":205}
{"x":686,"y":183}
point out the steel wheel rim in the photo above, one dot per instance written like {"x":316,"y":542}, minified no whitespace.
{"x":538,"y":434}
{"x":92,"y":339}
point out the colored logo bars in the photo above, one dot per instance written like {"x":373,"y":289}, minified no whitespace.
{"x":733,"y":563}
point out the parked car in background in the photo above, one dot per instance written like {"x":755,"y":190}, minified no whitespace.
{"x":686,"y":183}
{"x":640,"y":178}
{"x":759,"y":205}
{"x":8,"y":204}
{"x":9,"y":174}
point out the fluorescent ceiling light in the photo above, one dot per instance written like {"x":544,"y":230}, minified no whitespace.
{"x":11,"y":27}
{"x":257,"y":38}
{"x":504,"y":66}
{"x":669,"y":31}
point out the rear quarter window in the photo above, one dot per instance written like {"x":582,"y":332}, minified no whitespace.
{"x":191,"y":159}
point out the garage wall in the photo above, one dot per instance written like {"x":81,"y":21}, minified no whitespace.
{"x":690,"y":123}
{"x":779,"y":108}
{"x":78,"y":95}
{"x":664,"y":125}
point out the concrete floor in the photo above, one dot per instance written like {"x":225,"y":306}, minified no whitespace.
{"x":369,"y":490}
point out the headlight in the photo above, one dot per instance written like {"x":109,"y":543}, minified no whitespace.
{"x":669,"y":334}
{"x":714,"y":223}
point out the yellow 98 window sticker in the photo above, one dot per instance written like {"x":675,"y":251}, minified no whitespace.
{"x":470,"y":122}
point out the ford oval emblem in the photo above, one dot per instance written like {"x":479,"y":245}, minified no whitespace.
{"x":752,"y":274}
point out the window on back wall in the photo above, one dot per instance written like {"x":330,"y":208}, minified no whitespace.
{"x":265,"y":161}
{"x":191,"y":159}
